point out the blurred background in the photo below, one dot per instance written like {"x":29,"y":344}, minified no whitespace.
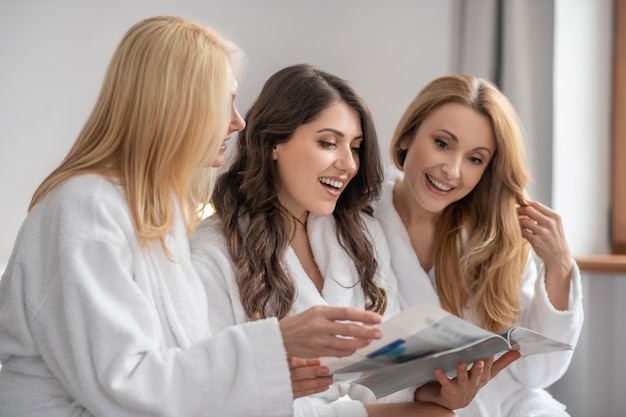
{"x":553,"y":58}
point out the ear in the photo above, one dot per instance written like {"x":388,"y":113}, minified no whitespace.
{"x":275,"y":153}
{"x":405,"y":142}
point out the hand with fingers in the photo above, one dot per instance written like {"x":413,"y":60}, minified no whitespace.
{"x":458,"y":392}
{"x":329,"y":331}
{"x":543,"y":228}
{"x":308,"y":376}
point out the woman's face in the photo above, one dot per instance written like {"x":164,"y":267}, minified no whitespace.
{"x":236,"y":124}
{"x":316,"y":164}
{"x":447,"y":156}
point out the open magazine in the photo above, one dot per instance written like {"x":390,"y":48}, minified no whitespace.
{"x":424,"y":337}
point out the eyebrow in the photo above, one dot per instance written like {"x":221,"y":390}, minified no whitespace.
{"x":453,"y":136}
{"x":337,"y":133}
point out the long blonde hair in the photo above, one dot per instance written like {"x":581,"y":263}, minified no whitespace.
{"x":482,"y":229}
{"x":162,"y":112}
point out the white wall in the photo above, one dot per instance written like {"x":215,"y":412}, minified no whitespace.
{"x":53,"y":56}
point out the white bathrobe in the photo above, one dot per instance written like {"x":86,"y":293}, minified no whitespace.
{"x":93,"y":324}
{"x":517,"y":389}
{"x":341,"y":288}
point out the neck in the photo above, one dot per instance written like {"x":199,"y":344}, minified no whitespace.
{"x":411,"y":214}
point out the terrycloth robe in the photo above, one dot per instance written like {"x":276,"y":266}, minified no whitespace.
{"x":94,"y":324}
{"x":517,"y":386}
{"x":341,"y":288}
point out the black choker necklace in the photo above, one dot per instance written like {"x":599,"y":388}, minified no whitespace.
{"x":299,"y":221}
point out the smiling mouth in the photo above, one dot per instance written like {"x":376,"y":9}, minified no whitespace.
{"x":437,"y":184}
{"x":331,"y":183}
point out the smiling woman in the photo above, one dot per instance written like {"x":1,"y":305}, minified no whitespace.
{"x":444,"y":160}
{"x":309,"y":149}
{"x":318,"y":162}
{"x":461,"y":228}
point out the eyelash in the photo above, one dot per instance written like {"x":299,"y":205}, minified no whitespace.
{"x":326,"y":145}
{"x":443,"y":145}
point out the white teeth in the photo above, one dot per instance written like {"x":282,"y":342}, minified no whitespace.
{"x":332,"y":183}
{"x":438,"y":184}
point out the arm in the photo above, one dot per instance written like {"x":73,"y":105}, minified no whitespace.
{"x":543,"y":228}
{"x":538,"y":313}
{"x":101,"y":320}
{"x":552,"y":295}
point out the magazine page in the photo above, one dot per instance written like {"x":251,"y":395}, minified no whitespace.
{"x":419,"y":331}
{"x":529,"y":342}
{"x":422,"y":338}
{"x":414,"y":373}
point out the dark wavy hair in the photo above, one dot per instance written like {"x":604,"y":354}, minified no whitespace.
{"x":257,"y":227}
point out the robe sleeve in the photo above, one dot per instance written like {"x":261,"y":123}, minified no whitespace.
{"x":73,"y":299}
{"x":542,"y":370}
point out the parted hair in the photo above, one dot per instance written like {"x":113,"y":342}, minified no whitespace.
{"x":257,"y":227}
{"x":482,"y":229}
{"x":161,"y":115}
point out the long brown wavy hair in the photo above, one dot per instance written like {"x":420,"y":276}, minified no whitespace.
{"x":162,"y":111}
{"x":482,"y":229}
{"x":257,"y":227}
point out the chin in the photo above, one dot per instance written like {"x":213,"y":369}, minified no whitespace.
{"x":219,"y":161}
{"x":324,"y":211}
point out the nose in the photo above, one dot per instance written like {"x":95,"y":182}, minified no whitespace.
{"x":452,"y":167}
{"x":236,"y":121}
{"x":347,"y":160}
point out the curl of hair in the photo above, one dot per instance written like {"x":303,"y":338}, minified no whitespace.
{"x":160,"y":118}
{"x":258,"y":228}
{"x":482,"y":229}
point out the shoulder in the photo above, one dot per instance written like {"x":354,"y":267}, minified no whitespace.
{"x":83,"y":212}
{"x":84,"y":185}
{"x":210,"y":255}
{"x":208,"y":229}
{"x":385,"y":211}
{"x":208,"y":237}
{"x":86,"y":199}
{"x":83,"y":192}
{"x":372,"y":225}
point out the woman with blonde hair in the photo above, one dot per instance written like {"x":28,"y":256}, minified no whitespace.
{"x":462,"y":230}
{"x":101,"y":310}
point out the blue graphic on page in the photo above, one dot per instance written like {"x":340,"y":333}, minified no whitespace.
{"x":397,"y":352}
{"x":392,"y":349}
